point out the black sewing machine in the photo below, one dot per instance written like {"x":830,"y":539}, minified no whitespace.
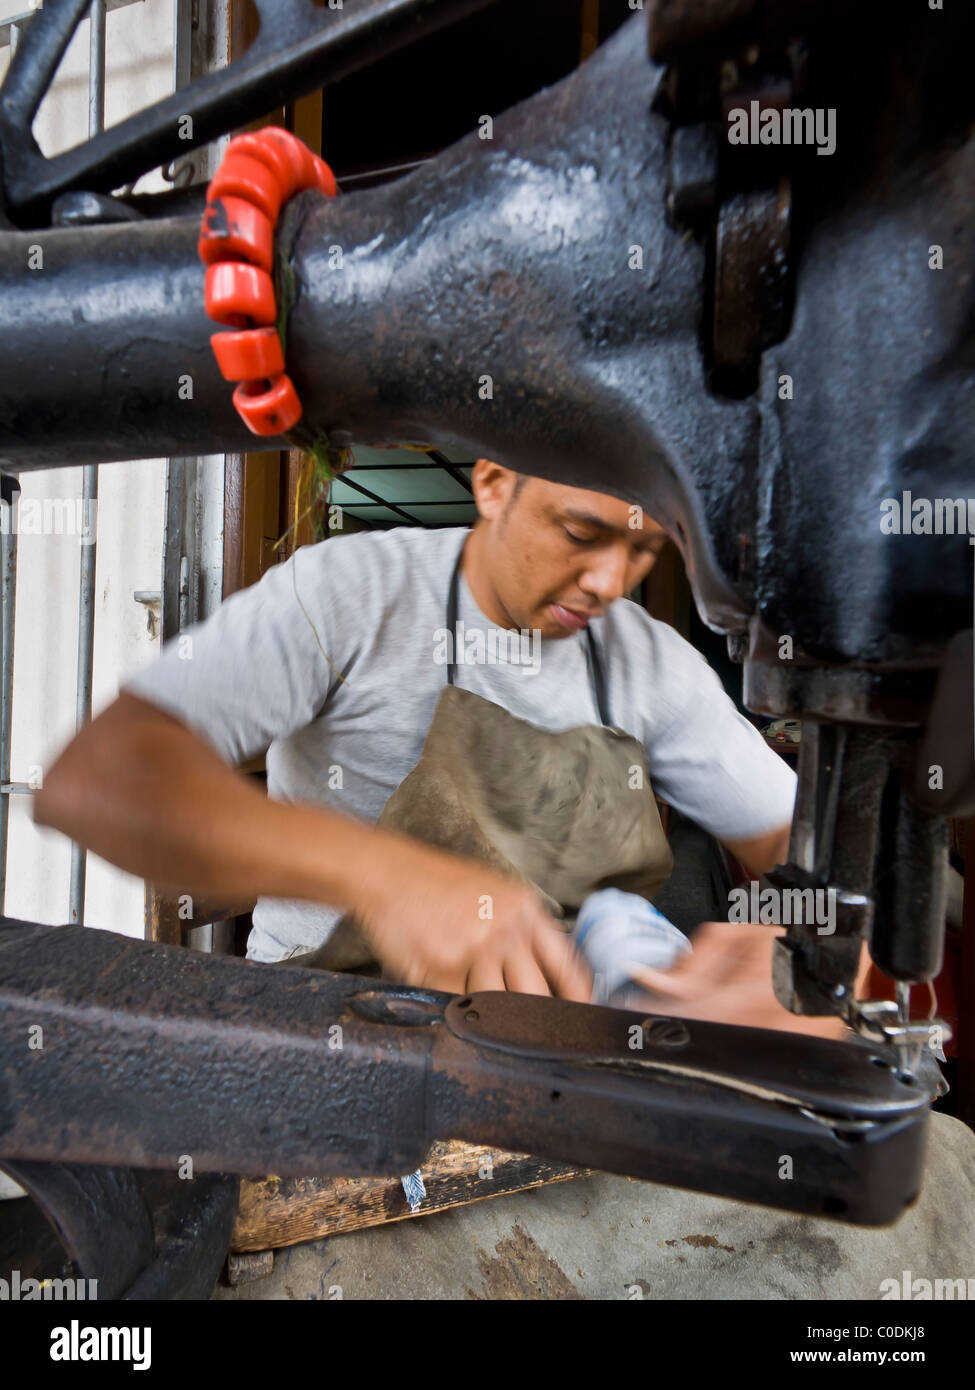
{"x":768,"y":344}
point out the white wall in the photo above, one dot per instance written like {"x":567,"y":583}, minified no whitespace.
{"x":130,"y":522}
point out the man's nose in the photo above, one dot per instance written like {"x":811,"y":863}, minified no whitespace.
{"x":605,"y":578}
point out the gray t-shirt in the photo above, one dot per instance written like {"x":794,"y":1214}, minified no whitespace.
{"x":261,"y":673}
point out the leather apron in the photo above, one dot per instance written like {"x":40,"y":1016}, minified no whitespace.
{"x":569,"y":812}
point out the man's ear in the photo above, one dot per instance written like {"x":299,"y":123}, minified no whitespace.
{"x":493,"y":486}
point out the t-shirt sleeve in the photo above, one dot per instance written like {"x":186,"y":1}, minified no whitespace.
{"x":705,"y":758}
{"x":256,"y":670}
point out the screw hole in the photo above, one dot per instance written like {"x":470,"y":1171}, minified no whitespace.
{"x":556,"y":1095}
{"x":472,"y":1015}
{"x":463,"y":1003}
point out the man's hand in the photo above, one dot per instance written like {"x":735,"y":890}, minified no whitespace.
{"x":727,"y":978}
{"x":437,"y":921}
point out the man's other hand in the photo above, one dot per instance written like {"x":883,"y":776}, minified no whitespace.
{"x":727,"y":978}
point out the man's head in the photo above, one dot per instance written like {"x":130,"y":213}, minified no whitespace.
{"x":550,"y":556}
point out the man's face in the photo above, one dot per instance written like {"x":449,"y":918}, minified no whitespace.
{"x":557,"y":556}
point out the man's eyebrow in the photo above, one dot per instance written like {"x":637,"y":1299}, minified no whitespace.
{"x":590,"y":519}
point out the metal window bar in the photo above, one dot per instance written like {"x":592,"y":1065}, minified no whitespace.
{"x":11,"y":25}
{"x":8,"y":579}
{"x":10,"y":32}
{"x":181,"y":597}
{"x":86,"y":598}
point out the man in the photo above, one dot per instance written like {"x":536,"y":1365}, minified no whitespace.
{"x":333,"y":663}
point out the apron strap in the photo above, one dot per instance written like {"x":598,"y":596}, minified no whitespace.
{"x":452,"y":616}
{"x":596,"y":671}
{"x":598,"y":680}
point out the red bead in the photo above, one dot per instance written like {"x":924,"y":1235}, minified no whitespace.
{"x":326,"y":179}
{"x":235,"y":293}
{"x":279,"y":162}
{"x":294,"y":153}
{"x":243,"y":176}
{"x":255,"y":353}
{"x":268,"y":409}
{"x":234,"y":229}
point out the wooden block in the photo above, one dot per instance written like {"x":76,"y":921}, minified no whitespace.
{"x":275,"y":1212}
{"x":167,"y":922}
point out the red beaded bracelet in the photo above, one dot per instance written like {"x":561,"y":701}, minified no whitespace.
{"x":259,"y":173}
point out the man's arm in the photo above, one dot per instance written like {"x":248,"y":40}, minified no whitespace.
{"x":763,"y":852}
{"x":140,"y":789}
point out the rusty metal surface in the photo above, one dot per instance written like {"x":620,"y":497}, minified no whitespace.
{"x":154,"y":1053}
{"x":679,"y":30}
{"x":949,"y":735}
{"x":678,"y":27}
{"x":135,"y":1235}
{"x":194,"y":1221}
{"x":832,"y":1078}
{"x":681,"y":1129}
{"x":751,"y":292}
{"x":99,"y":1215}
{"x":146,"y":1045}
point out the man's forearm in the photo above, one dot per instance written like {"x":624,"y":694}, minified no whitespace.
{"x":145,"y":793}
{"x":761,"y":854}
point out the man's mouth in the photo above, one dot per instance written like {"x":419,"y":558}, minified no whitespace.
{"x":571,"y":618}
